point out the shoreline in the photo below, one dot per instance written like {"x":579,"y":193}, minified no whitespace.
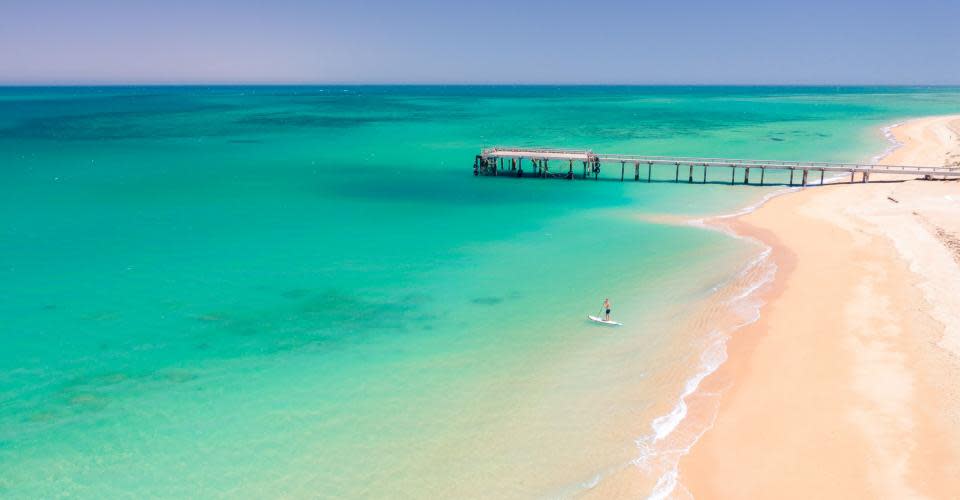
{"x":857,"y":394}
{"x":735,"y":304}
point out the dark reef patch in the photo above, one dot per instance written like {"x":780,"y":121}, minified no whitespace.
{"x":210,"y":317}
{"x":296,"y":293}
{"x":487,"y":301}
{"x":179,"y":376}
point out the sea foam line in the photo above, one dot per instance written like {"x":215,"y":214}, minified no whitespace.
{"x":664,"y":425}
{"x":711,"y":358}
{"x":892,"y":139}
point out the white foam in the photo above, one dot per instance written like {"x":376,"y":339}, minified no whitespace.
{"x":768,"y":275}
{"x":595,"y":480}
{"x":664,"y":425}
{"x":665,"y":485}
{"x":892,"y":139}
{"x":711,"y":358}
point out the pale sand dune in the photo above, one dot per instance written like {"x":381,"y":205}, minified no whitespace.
{"x":848,"y":386}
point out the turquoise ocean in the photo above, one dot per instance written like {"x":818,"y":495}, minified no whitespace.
{"x":304,"y":291}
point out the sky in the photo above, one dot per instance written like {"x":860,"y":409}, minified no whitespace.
{"x":906,"y":42}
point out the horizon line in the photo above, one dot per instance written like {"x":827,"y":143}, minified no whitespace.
{"x":449,"y":84}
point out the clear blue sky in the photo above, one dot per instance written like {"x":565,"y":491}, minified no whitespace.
{"x":434,"y":41}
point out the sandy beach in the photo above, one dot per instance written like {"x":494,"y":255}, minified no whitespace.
{"x":846,"y":386}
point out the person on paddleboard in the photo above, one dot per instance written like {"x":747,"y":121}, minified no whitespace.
{"x":606,"y":308}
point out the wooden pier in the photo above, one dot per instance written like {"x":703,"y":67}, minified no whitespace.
{"x":567,"y":163}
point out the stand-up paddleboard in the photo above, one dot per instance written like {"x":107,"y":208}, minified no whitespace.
{"x":603,"y":321}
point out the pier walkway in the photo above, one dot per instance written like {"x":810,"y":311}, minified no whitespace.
{"x":566,"y":163}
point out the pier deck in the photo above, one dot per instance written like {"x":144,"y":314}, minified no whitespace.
{"x":510,"y":161}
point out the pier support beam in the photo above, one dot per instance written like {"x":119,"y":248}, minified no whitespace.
{"x":733,"y":174}
{"x":704,"y":173}
{"x":852,"y":173}
{"x":649,"y":169}
{"x":746,"y":176}
{"x":791,"y":176}
{"x":690,"y":179}
{"x":570,"y":172}
{"x":677,"y":177}
{"x":762,"y":172}
{"x":866,"y":177}
{"x":621,"y":171}
{"x":821,"y":177}
{"x":636,"y":171}
{"x":805,"y":178}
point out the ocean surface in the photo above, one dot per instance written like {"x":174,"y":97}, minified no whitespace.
{"x":304,"y":291}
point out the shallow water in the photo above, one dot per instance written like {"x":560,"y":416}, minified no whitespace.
{"x":303,"y":291}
